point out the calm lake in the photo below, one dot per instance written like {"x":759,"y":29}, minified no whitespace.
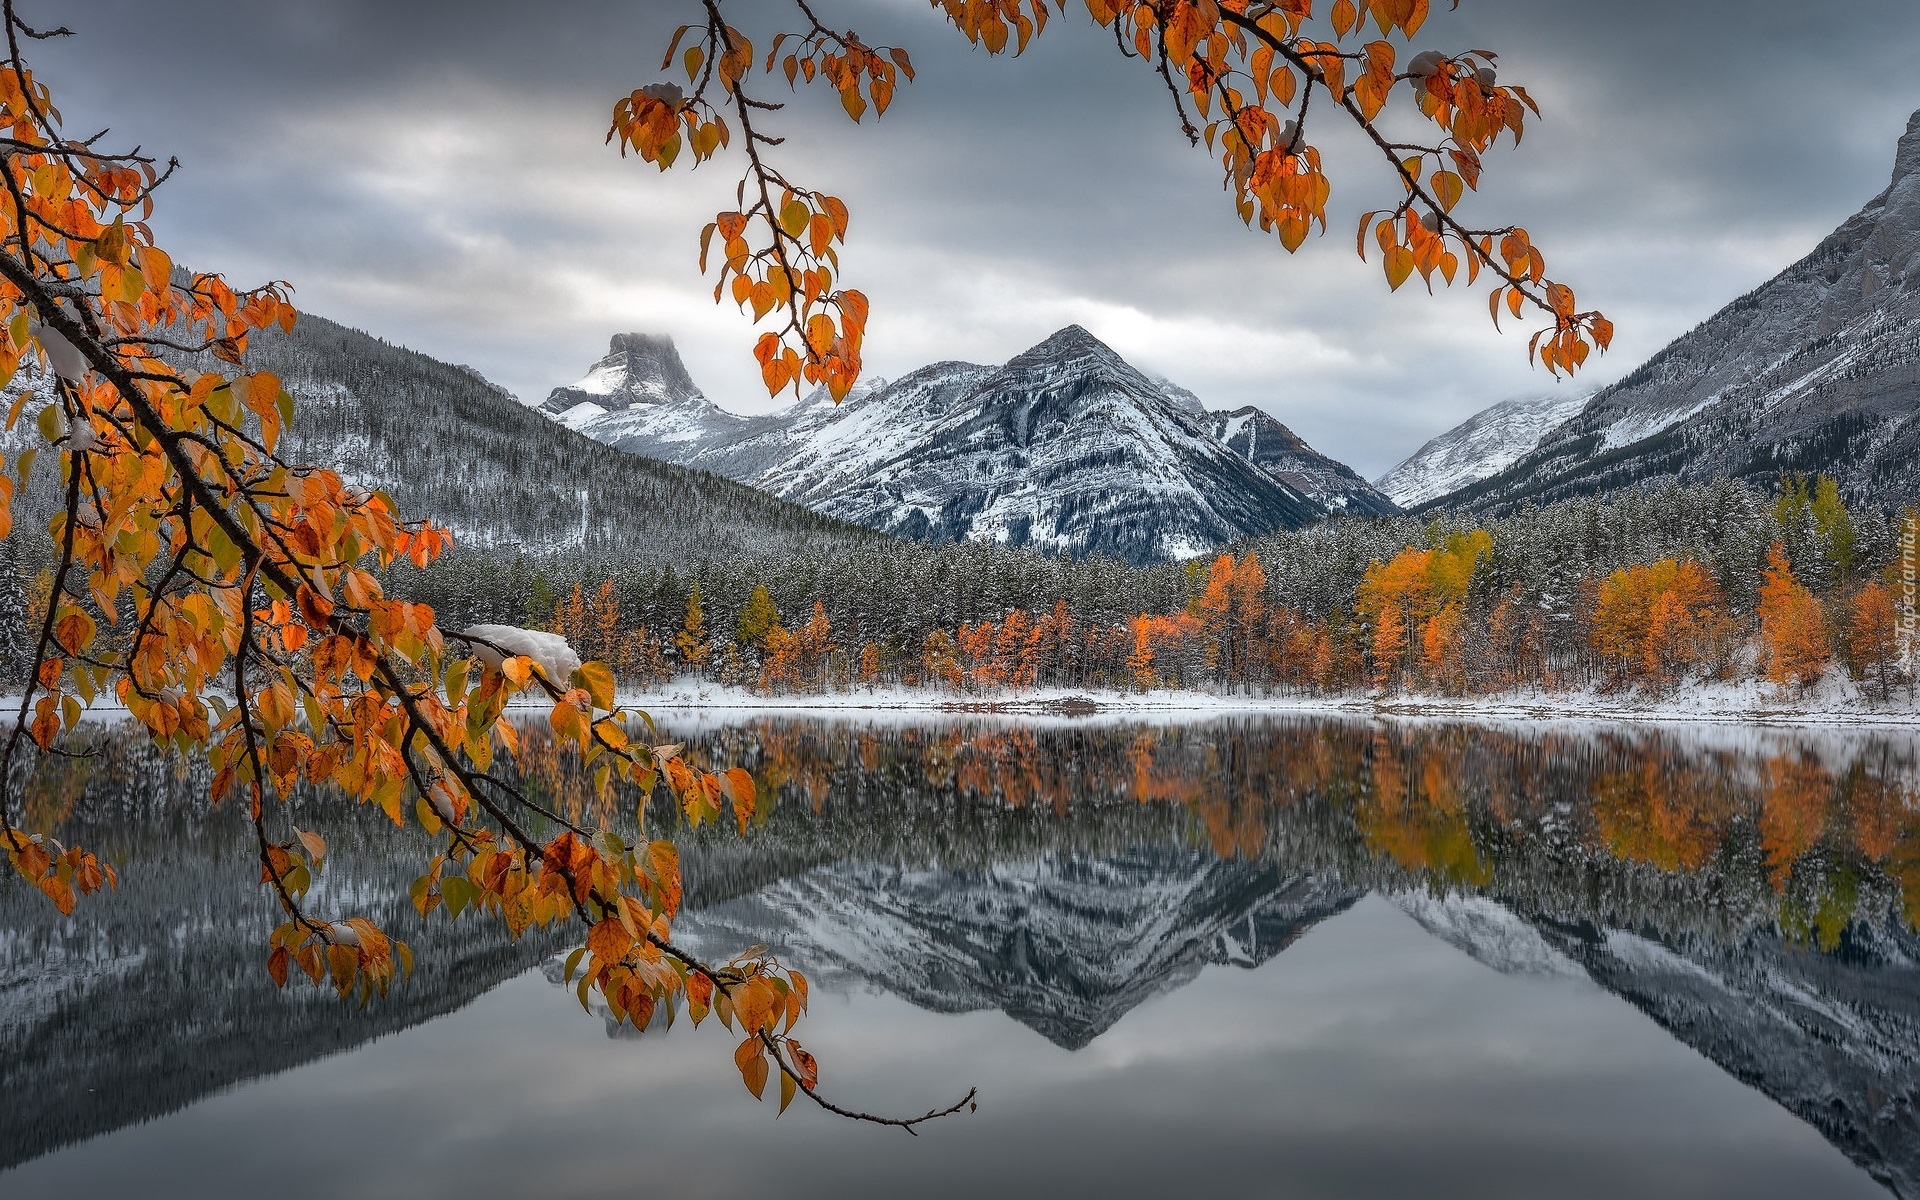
{"x":1286,"y":957}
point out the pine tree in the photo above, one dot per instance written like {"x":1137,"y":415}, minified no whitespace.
{"x":536,"y":611}
{"x":16,"y":635}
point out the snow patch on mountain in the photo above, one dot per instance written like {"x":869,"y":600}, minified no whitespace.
{"x":1817,"y":370}
{"x":1489,"y":932}
{"x":1283,"y":454}
{"x":1064,"y":944}
{"x":1485,"y":444}
{"x":1066,"y":447}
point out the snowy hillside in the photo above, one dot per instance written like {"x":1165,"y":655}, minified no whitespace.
{"x":1281,"y":453}
{"x":1067,"y":448}
{"x":448,"y":445}
{"x":1484,"y":444}
{"x":1817,"y":370}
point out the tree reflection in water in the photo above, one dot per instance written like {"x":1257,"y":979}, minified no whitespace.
{"x":1756,"y":892}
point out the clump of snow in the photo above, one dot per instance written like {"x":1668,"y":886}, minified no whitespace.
{"x":62,"y":355}
{"x":494,"y":644}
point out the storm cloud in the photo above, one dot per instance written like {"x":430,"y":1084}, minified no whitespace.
{"x":435,"y":172}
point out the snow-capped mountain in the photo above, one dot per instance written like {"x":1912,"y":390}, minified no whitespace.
{"x":1484,"y":444}
{"x":641,"y":390}
{"x":1066,"y":945}
{"x":1817,"y":370}
{"x":1281,"y":453}
{"x":1066,"y":447}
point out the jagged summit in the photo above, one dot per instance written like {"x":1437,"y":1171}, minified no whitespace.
{"x":639,"y":368}
{"x":1816,"y":370}
{"x":1069,"y":341}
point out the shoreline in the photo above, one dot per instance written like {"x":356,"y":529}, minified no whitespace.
{"x":1710,"y":707}
{"x":1726,"y":707}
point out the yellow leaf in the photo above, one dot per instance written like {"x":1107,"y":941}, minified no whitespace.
{"x":1399,"y":266}
{"x":597,"y":679}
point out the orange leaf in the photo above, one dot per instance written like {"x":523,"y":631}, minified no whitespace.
{"x":609,"y":941}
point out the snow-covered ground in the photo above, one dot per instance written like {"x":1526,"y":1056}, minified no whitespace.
{"x":1835,"y":700}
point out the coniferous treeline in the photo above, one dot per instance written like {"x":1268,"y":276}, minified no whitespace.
{"x":1648,"y":589}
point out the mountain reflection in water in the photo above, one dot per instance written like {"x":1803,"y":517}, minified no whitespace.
{"x":1755,"y":893}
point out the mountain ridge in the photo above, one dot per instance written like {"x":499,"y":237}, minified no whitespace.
{"x":1481,"y":446}
{"x":1816,"y":370}
{"x":1066,"y":447}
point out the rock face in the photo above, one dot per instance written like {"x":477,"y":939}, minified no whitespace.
{"x":1484,"y":444}
{"x":1817,"y":370}
{"x":1281,"y":453}
{"x":641,"y":390}
{"x":1067,"y":447}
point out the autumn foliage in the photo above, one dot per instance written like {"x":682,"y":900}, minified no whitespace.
{"x":1244,"y":75}
{"x":237,"y":604}
{"x":1793,"y":627}
{"x":1434,"y":618}
{"x":1655,"y":622}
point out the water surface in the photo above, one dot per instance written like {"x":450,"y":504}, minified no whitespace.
{"x":1288,"y":957}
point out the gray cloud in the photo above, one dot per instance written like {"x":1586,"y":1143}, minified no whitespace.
{"x":434,"y":172}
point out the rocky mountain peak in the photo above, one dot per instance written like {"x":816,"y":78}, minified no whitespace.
{"x":1907,"y":161}
{"x":1073,"y":348}
{"x":639,"y":368}
{"x":1072,"y":367}
{"x":1265,"y":441}
{"x":1072,"y":339}
{"x":1892,"y":251}
{"x":1066,"y":447}
{"x":1813,"y":371}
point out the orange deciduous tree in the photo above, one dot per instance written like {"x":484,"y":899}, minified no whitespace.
{"x":1873,"y":638}
{"x":1655,"y":621}
{"x":1793,"y":627}
{"x":1399,"y":598}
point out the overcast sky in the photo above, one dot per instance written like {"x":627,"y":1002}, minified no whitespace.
{"x":434,"y":172}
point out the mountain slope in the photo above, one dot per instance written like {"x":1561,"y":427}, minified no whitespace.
{"x":1816,"y":370}
{"x":1283,"y":454}
{"x":1484,"y":444}
{"x":1067,"y":448}
{"x":448,"y":445}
